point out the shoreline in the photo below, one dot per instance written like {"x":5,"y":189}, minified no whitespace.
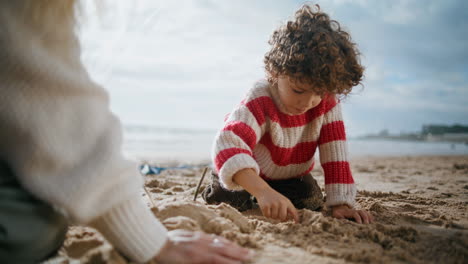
{"x":358,"y":148}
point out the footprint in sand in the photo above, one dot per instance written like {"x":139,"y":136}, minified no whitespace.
{"x":164,"y":184}
{"x":445,"y":195}
{"x":380,"y":167}
{"x":459,"y":166}
{"x":364,"y":170}
{"x":156,"y":190}
{"x":177,"y":189}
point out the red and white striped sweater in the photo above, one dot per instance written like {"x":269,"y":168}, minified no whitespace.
{"x":258,"y":134}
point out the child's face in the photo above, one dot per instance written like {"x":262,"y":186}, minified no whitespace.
{"x":297,"y":97}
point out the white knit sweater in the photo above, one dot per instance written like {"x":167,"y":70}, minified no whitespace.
{"x":59,"y":136}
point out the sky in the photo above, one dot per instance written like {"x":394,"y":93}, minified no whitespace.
{"x":186,"y":64}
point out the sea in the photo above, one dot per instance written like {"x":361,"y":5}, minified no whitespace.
{"x":194,"y":145}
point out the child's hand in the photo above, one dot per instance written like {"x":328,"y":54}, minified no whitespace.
{"x":344,"y":211}
{"x":275,"y":205}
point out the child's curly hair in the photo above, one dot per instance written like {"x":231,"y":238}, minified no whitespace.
{"x":315,"y":50}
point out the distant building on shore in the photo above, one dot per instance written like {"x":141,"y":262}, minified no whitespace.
{"x":454,"y":133}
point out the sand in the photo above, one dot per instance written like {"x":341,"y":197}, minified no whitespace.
{"x":419,"y":203}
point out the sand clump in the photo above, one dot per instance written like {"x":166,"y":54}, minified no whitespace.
{"x":419,"y":204}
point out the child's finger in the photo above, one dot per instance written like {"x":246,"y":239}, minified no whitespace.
{"x":357,"y":217}
{"x":293,"y":212}
{"x":369,"y":216}
{"x":283,"y":213}
{"x":364,"y":216}
{"x":274,"y":212}
{"x":338,"y":215}
{"x":266,"y":211}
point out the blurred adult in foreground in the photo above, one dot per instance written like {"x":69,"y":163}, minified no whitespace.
{"x":60,"y":152}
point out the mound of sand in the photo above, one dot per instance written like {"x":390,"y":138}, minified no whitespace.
{"x":419,"y":203}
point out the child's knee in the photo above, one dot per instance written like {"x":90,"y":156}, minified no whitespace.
{"x":314,"y":199}
{"x":214,"y":193}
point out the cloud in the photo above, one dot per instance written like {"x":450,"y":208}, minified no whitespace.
{"x":191,"y":55}
{"x":416,"y":58}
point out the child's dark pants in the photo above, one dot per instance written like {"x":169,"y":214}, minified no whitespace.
{"x":303,"y":192}
{"x":30,"y":230}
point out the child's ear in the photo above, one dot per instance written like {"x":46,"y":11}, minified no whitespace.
{"x":273,"y":78}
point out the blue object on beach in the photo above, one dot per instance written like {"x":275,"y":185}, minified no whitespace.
{"x":147,"y":169}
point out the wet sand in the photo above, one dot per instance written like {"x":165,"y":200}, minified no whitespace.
{"x":419,"y":203}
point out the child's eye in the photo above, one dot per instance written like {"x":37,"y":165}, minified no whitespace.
{"x":297,"y":91}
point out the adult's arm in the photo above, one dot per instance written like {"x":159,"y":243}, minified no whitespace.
{"x":60,"y":138}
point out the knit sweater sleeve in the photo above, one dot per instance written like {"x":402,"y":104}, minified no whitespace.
{"x":61,"y":140}
{"x":339,"y":183}
{"x":234,"y":144}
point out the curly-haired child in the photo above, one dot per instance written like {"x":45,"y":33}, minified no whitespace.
{"x":265,"y":151}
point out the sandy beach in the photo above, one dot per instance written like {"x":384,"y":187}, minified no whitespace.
{"x":419,"y":202}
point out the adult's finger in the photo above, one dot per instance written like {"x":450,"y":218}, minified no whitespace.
{"x":219,"y":259}
{"x":204,"y":237}
{"x":219,"y":246}
{"x":233,"y":251}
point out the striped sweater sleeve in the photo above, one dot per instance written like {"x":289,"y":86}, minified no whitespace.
{"x":233,"y":146}
{"x":339,"y":183}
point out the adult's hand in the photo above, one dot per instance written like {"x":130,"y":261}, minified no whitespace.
{"x":187,"y":247}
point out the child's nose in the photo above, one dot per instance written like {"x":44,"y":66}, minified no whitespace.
{"x":312,"y":102}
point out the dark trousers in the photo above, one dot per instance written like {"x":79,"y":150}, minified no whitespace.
{"x":303,"y":192}
{"x":30,"y":230}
